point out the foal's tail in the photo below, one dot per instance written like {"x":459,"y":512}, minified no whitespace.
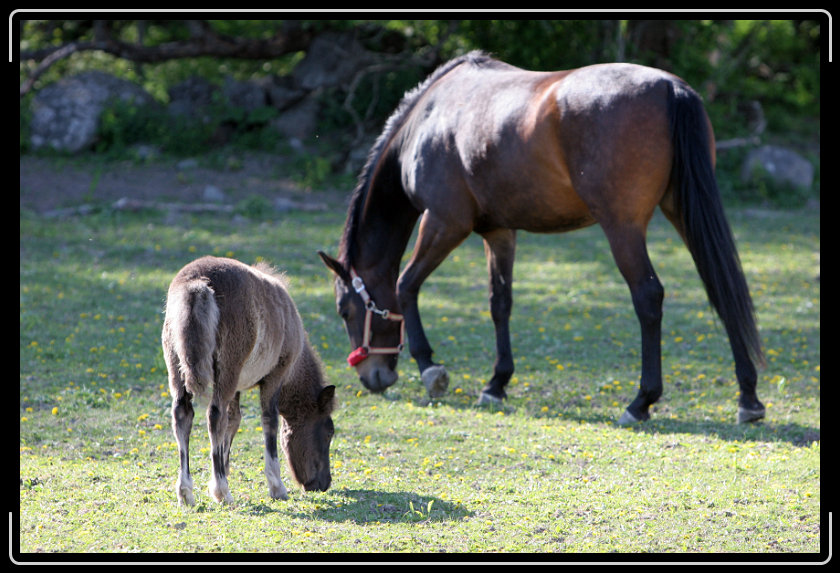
{"x":193,"y":317}
{"x":704,"y":225}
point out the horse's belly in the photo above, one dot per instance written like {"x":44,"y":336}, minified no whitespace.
{"x":264,"y":357}
{"x":533,"y":203}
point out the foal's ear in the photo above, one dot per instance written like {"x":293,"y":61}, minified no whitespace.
{"x":334,"y":266}
{"x":325,"y":399}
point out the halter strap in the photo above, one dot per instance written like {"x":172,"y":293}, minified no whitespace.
{"x":365,"y":349}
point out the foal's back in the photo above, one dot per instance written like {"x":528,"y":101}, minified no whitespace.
{"x":258,"y":325}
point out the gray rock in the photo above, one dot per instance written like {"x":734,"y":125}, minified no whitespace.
{"x":66,"y":114}
{"x":332,"y":59}
{"x":213,"y":193}
{"x":780,"y":164}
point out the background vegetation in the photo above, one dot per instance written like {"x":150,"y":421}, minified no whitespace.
{"x":733,"y":64}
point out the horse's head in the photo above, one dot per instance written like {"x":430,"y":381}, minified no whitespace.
{"x":306,"y":434}
{"x":376,"y":334}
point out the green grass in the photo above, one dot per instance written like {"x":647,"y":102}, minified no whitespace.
{"x":549,"y":472}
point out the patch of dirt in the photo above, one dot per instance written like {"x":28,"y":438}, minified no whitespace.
{"x":51,"y":184}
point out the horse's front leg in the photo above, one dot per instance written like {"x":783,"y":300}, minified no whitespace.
{"x":270,"y":424}
{"x":434,"y":376}
{"x":500,"y":250}
{"x":436,"y":238}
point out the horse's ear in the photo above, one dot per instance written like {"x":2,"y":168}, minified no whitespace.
{"x":325,"y":399}
{"x":335,"y":266}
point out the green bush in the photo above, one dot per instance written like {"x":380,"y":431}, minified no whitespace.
{"x":124,"y":125}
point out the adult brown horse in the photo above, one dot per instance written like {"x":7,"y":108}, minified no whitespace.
{"x":487,"y":147}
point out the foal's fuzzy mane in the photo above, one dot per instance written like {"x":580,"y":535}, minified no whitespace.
{"x":272,"y":271}
{"x":380,"y":148}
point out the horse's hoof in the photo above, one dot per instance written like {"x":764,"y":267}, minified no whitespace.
{"x":627,"y":419}
{"x":745,"y":415}
{"x":186,"y":498}
{"x":276,"y":487}
{"x":484,"y":398}
{"x":184,"y":491}
{"x":219,"y":492}
{"x":436,"y":380}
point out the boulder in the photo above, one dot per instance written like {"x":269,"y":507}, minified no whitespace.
{"x":191,"y":97}
{"x":781,"y":164}
{"x":332,"y":60}
{"x":66,"y":114}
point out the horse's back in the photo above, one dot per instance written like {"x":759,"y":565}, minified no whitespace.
{"x":259,"y":327}
{"x":511,"y":148}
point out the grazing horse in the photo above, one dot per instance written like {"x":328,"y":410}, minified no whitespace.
{"x":230,"y":327}
{"x":482,"y":146}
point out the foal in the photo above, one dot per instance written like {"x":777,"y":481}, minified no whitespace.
{"x":230,"y":327}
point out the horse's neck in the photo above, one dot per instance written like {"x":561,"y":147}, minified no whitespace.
{"x":306,"y":377}
{"x":383,"y":232}
{"x":310,"y":367}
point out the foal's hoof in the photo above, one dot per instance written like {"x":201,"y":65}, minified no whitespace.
{"x":436,"y":380}
{"x":186,"y":498}
{"x":745,"y":415}
{"x":184,"y":491}
{"x":627,"y":419}
{"x":278,"y":492}
{"x":219,"y":493}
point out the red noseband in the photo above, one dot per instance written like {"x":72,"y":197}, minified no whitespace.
{"x":365,"y":349}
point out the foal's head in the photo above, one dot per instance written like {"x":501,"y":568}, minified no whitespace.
{"x":307,"y":431}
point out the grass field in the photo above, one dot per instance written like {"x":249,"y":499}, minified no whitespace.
{"x":549,"y":472}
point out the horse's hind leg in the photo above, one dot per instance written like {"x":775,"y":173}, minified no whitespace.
{"x":182,"y":419}
{"x":500,"y":248}
{"x":750,"y":408}
{"x":217,"y":424}
{"x":234,"y":418}
{"x":630,"y":252}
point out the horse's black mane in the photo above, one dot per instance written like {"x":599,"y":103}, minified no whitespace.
{"x":395,"y":121}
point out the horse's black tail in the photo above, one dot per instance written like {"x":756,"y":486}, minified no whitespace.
{"x":706,"y":230}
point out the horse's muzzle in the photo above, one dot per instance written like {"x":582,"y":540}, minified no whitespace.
{"x":318,"y":484}
{"x":378,"y":379}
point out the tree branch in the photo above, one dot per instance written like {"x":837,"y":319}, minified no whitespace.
{"x":204,"y":41}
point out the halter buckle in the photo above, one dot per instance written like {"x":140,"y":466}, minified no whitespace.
{"x":363,"y":351}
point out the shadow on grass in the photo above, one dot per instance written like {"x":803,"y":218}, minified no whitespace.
{"x":367,"y":506}
{"x":364,"y":505}
{"x":763,"y":430}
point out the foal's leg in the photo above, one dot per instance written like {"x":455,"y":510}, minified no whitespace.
{"x":436,"y":238}
{"x":234,"y":417}
{"x":630,"y":253}
{"x":499,"y":249}
{"x":270,"y":423}
{"x":182,"y":418}
{"x":217,"y":424}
